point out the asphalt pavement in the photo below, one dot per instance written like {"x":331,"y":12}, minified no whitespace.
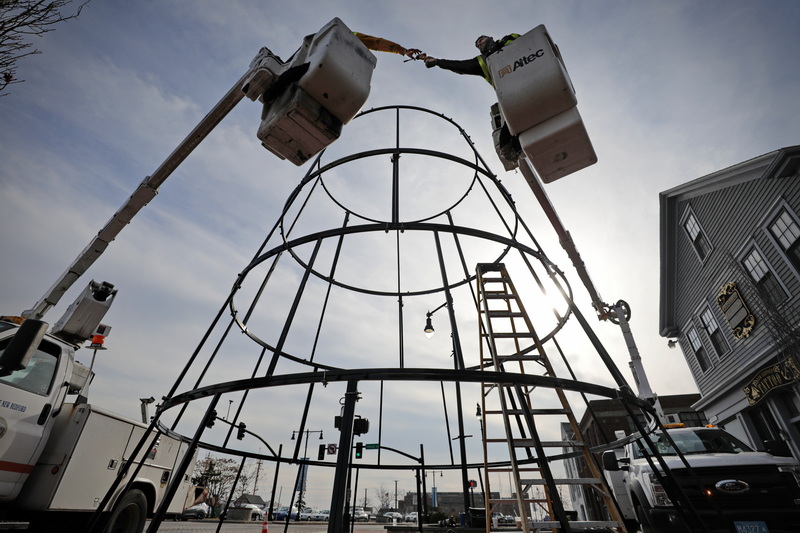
{"x":273,"y":527}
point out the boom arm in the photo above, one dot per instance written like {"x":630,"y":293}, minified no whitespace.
{"x":618,"y":313}
{"x":263,"y":71}
{"x":564,"y":237}
{"x":145,"y":192}
{"x":334,"y":93}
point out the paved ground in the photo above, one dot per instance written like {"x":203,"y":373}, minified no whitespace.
{"x":274,"y":527}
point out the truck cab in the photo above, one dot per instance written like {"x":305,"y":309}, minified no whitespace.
{"x":730,"y":486}
{"x":31,"y":397}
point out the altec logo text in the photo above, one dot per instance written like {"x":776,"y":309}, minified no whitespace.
{"x":521,"y":62}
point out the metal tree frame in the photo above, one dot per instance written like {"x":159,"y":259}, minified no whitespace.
{"x":292,"y":337}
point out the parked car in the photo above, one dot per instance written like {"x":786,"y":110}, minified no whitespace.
{"x":360,"y":515}
{"x":503,"y":519}
{"x":257,"y":515}
{"x":306,"y":514}
{"x":393,"y":515}
{"x":411,"y":517}
{"x":321,"y":516}
{"x":281,"y":513}
{"x":196,"y":512}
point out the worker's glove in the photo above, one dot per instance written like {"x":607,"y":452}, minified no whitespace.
{"x":430,"y":62}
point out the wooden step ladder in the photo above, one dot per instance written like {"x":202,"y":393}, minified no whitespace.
{"x":508,"y":343}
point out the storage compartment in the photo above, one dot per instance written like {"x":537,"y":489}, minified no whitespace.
{"x":558,"y":146}
{"x":531,"y":80}
{"x":297,"y":127}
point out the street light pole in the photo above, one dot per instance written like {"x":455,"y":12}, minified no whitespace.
{"x":303,"y":468}
{"x":434,"y":494}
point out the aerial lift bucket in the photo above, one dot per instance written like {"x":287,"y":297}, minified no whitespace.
{"x":308,"y":116}
{"x":538,"y":104}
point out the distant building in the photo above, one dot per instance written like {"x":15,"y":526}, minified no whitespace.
{"x":730,"y":294}
{"x":249,"y":498}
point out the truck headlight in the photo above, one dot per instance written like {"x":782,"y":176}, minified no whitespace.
{"x":660,"y":497}
{"x":792,"y":469}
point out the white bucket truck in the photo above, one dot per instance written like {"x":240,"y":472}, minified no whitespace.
{"x":58,"y":453}
{"x":717,"y":482}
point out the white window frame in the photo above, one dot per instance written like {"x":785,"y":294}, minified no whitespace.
{"x":766,"y":226}
{"x":692,"y":328}
{"x":706,"y":311}
{"x":687,"y":214}
{"x":745,"y":252}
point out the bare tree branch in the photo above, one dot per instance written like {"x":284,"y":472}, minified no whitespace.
{"x":19,"y":21}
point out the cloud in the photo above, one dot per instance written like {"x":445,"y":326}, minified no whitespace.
{"x":668,"y":92}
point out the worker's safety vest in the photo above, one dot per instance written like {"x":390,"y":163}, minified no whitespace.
{"x":482,"y":59}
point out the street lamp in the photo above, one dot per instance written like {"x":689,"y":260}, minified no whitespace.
{"x":303,"y":468}
{"x":429,"y":331}
{"x":434,"y":494}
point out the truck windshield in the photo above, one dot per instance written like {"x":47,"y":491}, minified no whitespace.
{"x":37,"y":377}
{"x":697,"y":441}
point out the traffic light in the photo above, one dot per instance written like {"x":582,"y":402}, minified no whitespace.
{"x":360,"y":425}
{"x":359,"y":450}
{"x":321,"y":454}
{"x":240,"y":434}
{"x":212,"y":417}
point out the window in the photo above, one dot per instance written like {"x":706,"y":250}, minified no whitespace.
{"x":699,"y":350}
{"x":785,"y":229}
{"x":713,"y":332}
{"x":693,"y":418}
{"x":632,"y":425}
{"x":696,"y":235}
{"x":37,"y":376}
{"x":765,"y":281}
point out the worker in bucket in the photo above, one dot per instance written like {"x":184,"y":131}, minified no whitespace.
{"x":477,"y":65}
{"x":507,"y":145}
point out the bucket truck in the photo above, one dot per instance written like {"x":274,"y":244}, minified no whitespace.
{"x":58,"y":458}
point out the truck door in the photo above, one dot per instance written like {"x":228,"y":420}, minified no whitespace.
{"x":25,"y":405}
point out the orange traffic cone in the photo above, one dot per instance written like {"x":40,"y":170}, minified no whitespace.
{"x":264,"y":526}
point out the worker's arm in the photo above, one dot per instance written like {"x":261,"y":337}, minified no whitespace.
{"x":463,"y":66}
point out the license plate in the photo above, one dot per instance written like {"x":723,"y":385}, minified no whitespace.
{"x":751,"y":527}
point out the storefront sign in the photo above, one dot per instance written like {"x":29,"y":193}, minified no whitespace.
{"x":739,"y":317}
{"x":771,"y":378}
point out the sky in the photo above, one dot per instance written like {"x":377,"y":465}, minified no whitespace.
{"x":668,"y":91}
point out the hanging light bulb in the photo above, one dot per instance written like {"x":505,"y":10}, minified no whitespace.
{"x":429,"y":331}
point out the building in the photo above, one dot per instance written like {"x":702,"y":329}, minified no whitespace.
{"x":450,"y":503}
{"x":730,"y":294}
{"x":249,"y":499}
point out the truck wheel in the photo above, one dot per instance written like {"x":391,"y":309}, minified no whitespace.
{"x":644,"y":522}
{"x":129,"y":514}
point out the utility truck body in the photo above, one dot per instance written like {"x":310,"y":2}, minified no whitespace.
{"x":730,"y":487}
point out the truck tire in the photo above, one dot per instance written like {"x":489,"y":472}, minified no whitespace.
{"x":129,"y":514}
{"x":644,"y":521}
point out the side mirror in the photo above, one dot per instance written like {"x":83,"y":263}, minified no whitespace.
{"x":610,"y":462}
{"x":22,"y":346}
{"x":778,"y":448}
